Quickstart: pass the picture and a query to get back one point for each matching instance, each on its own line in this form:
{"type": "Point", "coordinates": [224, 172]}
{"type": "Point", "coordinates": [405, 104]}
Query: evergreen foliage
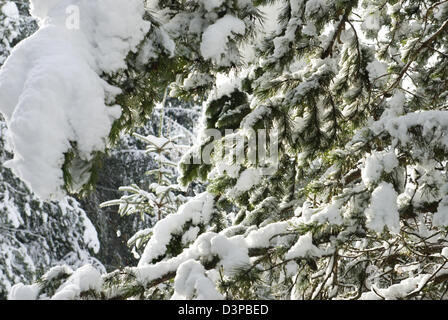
{"type": "Point", "coordinates": [355, 92]}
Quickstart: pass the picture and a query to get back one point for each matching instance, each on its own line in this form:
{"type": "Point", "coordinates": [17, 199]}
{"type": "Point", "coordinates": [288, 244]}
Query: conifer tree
{"type": "Point", "coordinates": [354, 94]}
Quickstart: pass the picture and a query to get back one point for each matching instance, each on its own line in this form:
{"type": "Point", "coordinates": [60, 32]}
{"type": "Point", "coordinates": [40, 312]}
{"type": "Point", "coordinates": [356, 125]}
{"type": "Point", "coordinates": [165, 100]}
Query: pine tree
{"type": "Point", "coordinates": [355, 95]}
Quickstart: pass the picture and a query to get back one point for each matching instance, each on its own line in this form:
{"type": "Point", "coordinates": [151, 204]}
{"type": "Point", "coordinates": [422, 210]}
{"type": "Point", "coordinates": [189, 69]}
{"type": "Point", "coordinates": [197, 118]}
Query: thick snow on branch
{"type": "Point", "coordinates": [198, 211]}
{"type": "Point", "coordinates": [216, 37]}
{"type": "Point", "coordinates": [51, 92]}
{"type": "Point", "coordinates": [192, 282]}
{"type": "Point", "coordinates": [83, 279]}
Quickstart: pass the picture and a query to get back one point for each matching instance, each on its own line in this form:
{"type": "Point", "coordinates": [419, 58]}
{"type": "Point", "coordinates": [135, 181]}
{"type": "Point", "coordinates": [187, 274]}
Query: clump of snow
{"type": "Point", "coordinates": [377, 163]}
{"type": "Point", "coordinates": [190, 235]}
{"type": "Point", "coordinates": [192, 283]}
{"type": "Point", "coordinates": [51, 92]}
{"type": "Point", "coordinates": [216, 37]}
{"type": "Point", "coordinates": [372, 19]}
{"type": "Point", "coordinates": [225, 86]}
{"type": "Point", "coordinates": [247, 179]}
{"type": "Point", "coordinates": [399, 290]}
{"type": "Point", "coordinates": [24, 292]}
{"type": "Point", "coordinates": [383, 210]}
{"type": "Point", "coordinates": [433, 123]}
{"type": "Point", "coordinates": [233, 252]}
{"type": "Point", "coordinates": [10, 10]}
{"type": "Point", "coordinates": [83, 279]}
{"type": "Point", "coordinates": [197, 210]}
{"type": "Point", "coordinates": [304, 247]}
{"type": "Point", "coordinates": [262, 237]}
{"type": "Point", "coordinates": [330, 214]}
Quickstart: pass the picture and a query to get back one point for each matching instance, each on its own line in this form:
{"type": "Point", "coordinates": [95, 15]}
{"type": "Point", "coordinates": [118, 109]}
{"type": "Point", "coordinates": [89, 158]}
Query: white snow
{"type": "Point", "coordinates": [10, 10]}
{"type": "Point", "coordinates": [24, 292]}
{"type": "Point", "coordinates": [83, 279]}
{"type": "Point", "coordinates": [216, 37]}
{"type": "Point", "coordinates": [445, 252]}
{"type": "Point", "coordinates": [330, 214]}
{"type": "Point", "coordinates": [383, 210]}
{"type": "Point", "coordinates": [247, 179]}
{"type": "Point", "coordinates": [375, 164]}
{"type": "Point", "coordinates": [90, 235]}
{"type": "Point", "coordinates": [210, 5]}
{"type": "Point", "coordinates": [197, 210]}
{"type": "Point", "coordinates": [304, 247]}
{"type": "Point", "coordinates": [51, 93]}
{"type": "Point", "coordinates": [261, 238]}
{"type": "Point", "coordinates": [192, 283]}
{"type": "Point", "coordinates": [313, 7]}
{"type": "Point", "coordinates": [399, 290]}
{"type": "Point", "coordinates": [433, 123]}
{"type": "Point", "coordinates": [190, 235]}
{"type": "Point", "coordinates": [233, 252]}
{"type": "Point", "coordinates": [158, 142]}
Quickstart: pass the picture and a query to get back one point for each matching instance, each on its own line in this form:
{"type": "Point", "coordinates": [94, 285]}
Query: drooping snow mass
{"type": "Point", "coordinates": [383, 210]}
{"type": "Point", "coordinates": [377, 163]}
{"type": "Point", "coordinates": [233, 252]}
{"type": "Point", "coordinates": [191, 282]}
{"type": "Point", "coordinates": [216, 37]}
{"type": "Point", "coordinates": [51, 92]}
